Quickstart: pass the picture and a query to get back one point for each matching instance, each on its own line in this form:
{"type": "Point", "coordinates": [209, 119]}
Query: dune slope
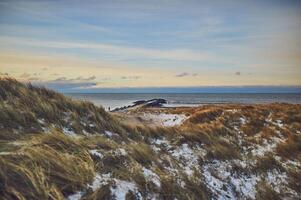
{"type": "Point", "coordinates": [52, 147]}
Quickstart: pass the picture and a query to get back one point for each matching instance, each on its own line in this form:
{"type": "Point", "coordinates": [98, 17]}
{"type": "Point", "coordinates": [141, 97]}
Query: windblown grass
{"type": "Point", "coordinates": [48, 167]}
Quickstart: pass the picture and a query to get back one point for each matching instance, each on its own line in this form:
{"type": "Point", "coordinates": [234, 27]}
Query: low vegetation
{"type": "Point", "coordinates": [53, 147]}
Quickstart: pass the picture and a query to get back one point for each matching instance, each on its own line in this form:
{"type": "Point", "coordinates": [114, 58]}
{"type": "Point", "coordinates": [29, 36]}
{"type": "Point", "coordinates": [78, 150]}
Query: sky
{"type": "Point", "coordinates": [94, 45]}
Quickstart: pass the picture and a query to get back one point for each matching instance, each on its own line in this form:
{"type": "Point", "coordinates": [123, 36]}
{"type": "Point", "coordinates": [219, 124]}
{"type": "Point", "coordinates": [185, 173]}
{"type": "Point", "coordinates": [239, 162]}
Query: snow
{"type": "Point", "coordinates": [86, 133]}
{"type": "Point", "coordinates": [187, 156]}
{"type": "Point", "coordinates": [162, 143]}
{"type": "Point", "coordinates": [94, 152]}
{"type": "Point", "coordinates": [76, 196]}
{"type": "Point", "coordinates": [109, 133]}
{"type": "Point", "coordinates": [92, 125]}
{"type": "Point", "coordinates": [155, 149]}
{"type": "Point", "coordinates": [4, 153]}
{"type": "Point", "coordinates": [225, 184]}
{"type": "Point", "coordinates": [120, 152]}
{"type": "Point", "coordinates": [288, 163]}
{"type": "Point", "coordinates": [259, 150]}
{"type": "Point", "coordinates": [279, 123]}
{"type": "Point", "coordinates": [69, 132]}
{"type": "Point", "coordinates": [18, 143]}
{"type": "Point", "coordinates": [243, 120]}
{"type": "Point", "coordinates": [41, 121]}
{"type": "Point", "coordinates": [276, 179]}
{"type": "Point", "coordinates": [157, 144]}
{"type": "Point", "coordinates": [100, 180]}
{"type": "Point", "coordinates": [121, 188]}
{"type": "Point", "coordinates": [151, 176]}
{"type": "Point", "coordinates": [164, 119]}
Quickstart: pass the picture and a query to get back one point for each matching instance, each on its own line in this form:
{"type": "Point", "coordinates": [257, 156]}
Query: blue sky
{"type": "Point", "coordinates": [90, 45]}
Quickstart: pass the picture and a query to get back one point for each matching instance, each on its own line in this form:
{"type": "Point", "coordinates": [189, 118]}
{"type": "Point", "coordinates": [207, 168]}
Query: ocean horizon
{"type": "Point", "coordinates": [115, 100]}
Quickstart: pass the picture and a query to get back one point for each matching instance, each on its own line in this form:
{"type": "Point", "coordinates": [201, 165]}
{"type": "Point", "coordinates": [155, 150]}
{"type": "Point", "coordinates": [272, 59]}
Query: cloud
{"type": "Point", "coordinates": [61, 79]}
{"type": "Point", "coordinates": [4, 74]}
{"type": "Point", "coordinates": [80, 78]}
{"type": "Point", "coordinates": [130, 77]}
{"type": "Point", "coordinates": [186, 74]}
{"type": "Point", "coordinates": [25, 75]}
{"type": "Point", "coordinates": [33, 79]}
{"type": "Point", "coordinates": [125, 52]}
{"type": "Point", "coordinates": [63, 83]}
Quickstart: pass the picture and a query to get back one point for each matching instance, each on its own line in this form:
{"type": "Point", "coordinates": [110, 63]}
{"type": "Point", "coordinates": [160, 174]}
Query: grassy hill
{"type": "Point", "coordinates": [52, 147]}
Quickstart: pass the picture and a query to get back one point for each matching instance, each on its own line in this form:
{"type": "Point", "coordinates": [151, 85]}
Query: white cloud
{"type": "Point", "coordinates": [123, 51]}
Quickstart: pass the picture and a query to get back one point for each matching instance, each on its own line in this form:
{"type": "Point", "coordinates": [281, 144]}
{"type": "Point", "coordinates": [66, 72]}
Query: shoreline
{"type": "Point", "coordinates": [186, 100]}
{"type": "Point", "coordinates": [191, 105]}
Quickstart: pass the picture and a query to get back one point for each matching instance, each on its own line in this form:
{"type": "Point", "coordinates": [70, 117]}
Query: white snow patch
{"type": "Point", "coordinates": [155, 149]}
{"type": "Point", "coordinates": [162, 143]}
{"type": "Point", "coordinates": [260, 150]}
{"type": "Point", "coordinates": [276, 179]}
{"type": "Point", "coordinates": [18, 143]}
{"type": "Point", "coordinates": [94, 152]}
{"type": "Point", "coordinates": [243, 120]}
{"type": "Point", "coordinates": [279, 123]}
{"type": "Point", "coordinates": [151, 176]}
{"type": "Point", "coordinates": [86, 133]}
{"type": "Point", "coordinates": [121, 188]}
{"type": "Point", "coordinates": [76, 196]}
{"type": "Point", "coordinates": [120, 152]}
{"type": "Point", "coordinates": [187, 157]}
{"type": "Point", "coordinates": [225, 184]}
{"type": "Point", "coordinates": [109, 133]}
{"type": "Point", "coordinates": [288, 163]}
{"type": "Point", "coordinates": [41, 121]}
{"type": "Point", "coordinates": [4, 153]}
{"type": "Point", "coordinates": [69, 132]}
{"type": "Point", "coordinates": [92, 125]}
{"type": "Point", "coordinates": [100, 180]}
{"type": "Point", "coordinates": [164, 119]}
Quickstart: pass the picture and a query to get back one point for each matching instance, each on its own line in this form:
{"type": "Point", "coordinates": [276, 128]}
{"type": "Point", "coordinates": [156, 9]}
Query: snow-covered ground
{"type": "Point", "coordinates": [94, 152]}
{"type": "Point", "coordinates": [165, 119]}
{"type": "Point", "coordinates": [119, 188]}
{"type": "Point", "coordinates": [151, 176]}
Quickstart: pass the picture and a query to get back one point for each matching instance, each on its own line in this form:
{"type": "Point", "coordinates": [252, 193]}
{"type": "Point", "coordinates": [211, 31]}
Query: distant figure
{"type": "Point", "coordinates": [109, 109]}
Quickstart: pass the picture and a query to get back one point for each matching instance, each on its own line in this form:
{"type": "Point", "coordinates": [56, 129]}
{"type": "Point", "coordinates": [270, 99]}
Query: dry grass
{"type": "Point", "coordinates": [266, 163]}
{"type": "Point", "coordinates": [142, 153]}
{"type": "Point", "coordinates": [291, 148]}
{"type": "Point", "coordinates": [36, 103]}
{"type": "Point", "coordinates": [266, 192]}
{"type": "Point", "coordinates": [35, 165]}
{"type": "Point", "coordinates": [48, 167]}
{"type": "Point", "coordinates": [222, 150]}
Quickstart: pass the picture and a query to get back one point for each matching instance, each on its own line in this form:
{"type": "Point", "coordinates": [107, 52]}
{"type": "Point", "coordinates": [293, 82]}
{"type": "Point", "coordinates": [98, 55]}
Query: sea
{"type": "Point", "coordinates": [114, 100]}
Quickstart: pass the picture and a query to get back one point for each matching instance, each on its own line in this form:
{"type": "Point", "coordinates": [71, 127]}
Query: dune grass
{"type": "Point", "coordinates": [39, 160]}
{"type": "Point", "coordinates": [49, 166]}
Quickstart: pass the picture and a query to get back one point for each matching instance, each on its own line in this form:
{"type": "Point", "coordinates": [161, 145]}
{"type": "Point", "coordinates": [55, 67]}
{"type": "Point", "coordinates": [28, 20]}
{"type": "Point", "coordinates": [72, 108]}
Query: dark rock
{"type": "Point", "coordinates": [144, 103]}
